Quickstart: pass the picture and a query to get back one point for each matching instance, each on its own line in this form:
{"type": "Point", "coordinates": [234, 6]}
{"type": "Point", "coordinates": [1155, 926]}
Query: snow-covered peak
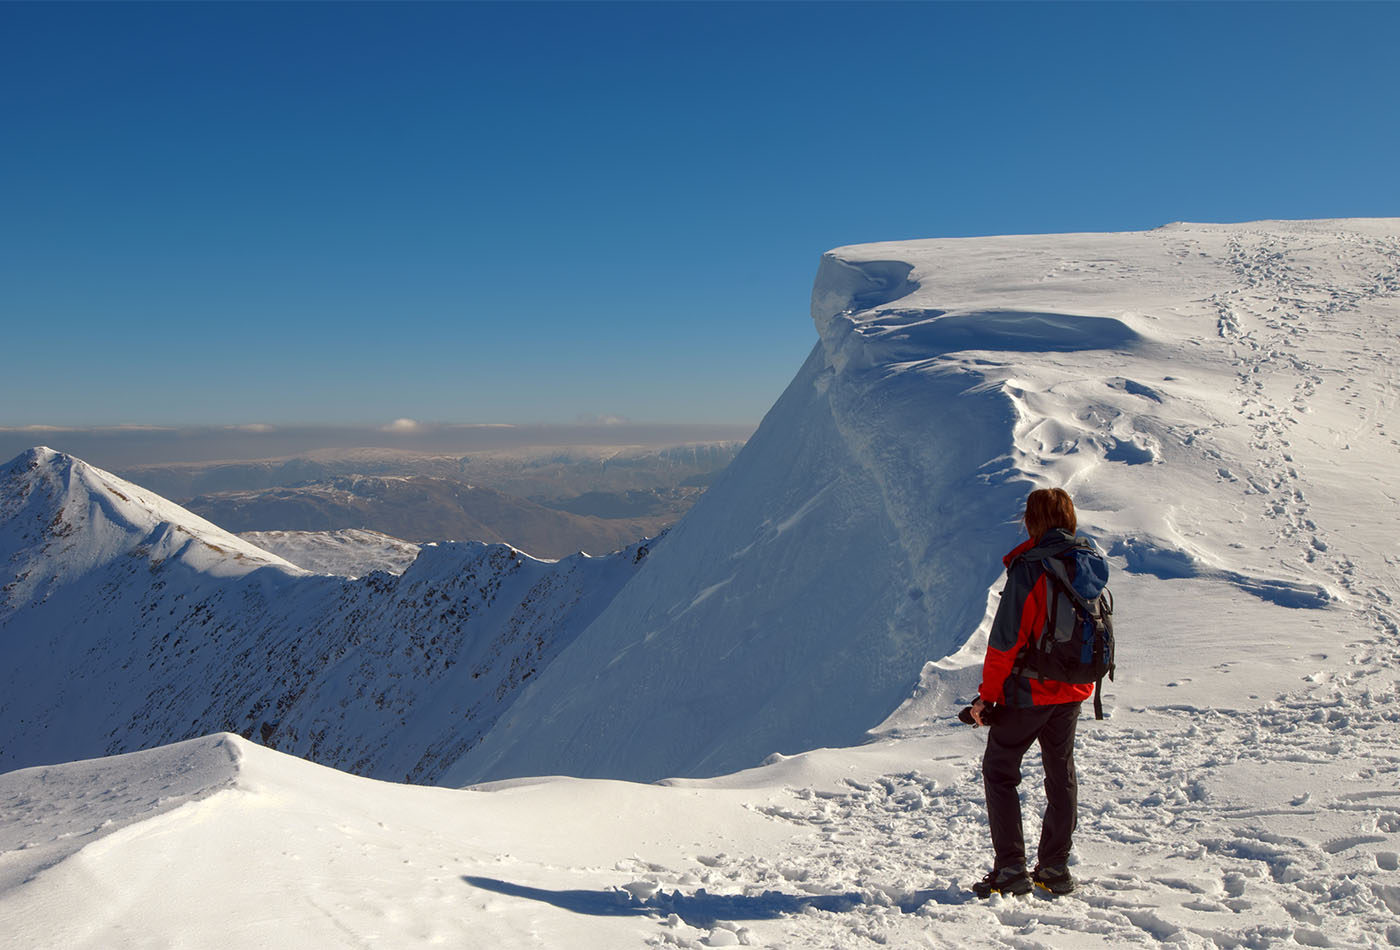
{"type": "Point", "coordinates": [79, 516]}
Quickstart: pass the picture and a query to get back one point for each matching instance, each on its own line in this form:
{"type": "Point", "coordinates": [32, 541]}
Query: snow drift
{"type": "Point", "coordinates": [858, 533]}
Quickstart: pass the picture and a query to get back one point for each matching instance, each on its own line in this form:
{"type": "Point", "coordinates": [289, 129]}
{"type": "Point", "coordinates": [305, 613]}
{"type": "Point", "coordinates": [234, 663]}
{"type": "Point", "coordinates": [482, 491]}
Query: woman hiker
{"type": "Point", "coordinates": [1021, 709]}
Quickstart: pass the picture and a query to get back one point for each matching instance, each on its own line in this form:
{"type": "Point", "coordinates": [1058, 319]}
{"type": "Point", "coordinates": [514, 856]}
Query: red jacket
{"type": "Point", "coordinates": [1021, 616]}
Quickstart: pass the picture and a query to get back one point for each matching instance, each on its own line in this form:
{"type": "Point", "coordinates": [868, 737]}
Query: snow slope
{"type": "Point", "coordinates": [350, 552]}
{"type": "Point", "coordinates": [1185, 384]}
{"type": "Point", "coordinates": [1208, 830]}
{"type": "Point", "coordinates": [1230, 444]}
{"type": "Point", "coordinates": [66, 518]}
{"type": "Point", "coordinates": [130, 622]}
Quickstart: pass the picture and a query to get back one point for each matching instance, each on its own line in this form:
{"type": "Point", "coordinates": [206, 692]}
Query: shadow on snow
{"type": "Point", "coordinates": [698, 909]}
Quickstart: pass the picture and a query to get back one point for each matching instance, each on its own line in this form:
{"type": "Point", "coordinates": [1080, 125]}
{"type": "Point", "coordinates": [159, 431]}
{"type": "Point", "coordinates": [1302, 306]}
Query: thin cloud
{"type": "Point", "coordinates": [134, 446]}
{"type": "Point", "coordinates": [595, 419]}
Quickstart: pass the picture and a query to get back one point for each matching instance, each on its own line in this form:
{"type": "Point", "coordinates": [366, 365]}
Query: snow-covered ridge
{"type": "Point", "coordinates": [1208, 393]}
{"type": "Point", "coordinates": [1172, 298]}
{"type": "Point", "coordinates": [129, 622]}
{"type": "Point", "coordinates": [1162, 377]}
{"type": "Point", "coordinates": [1236, 455]}
{"type": "Point", "coordinates": [136, 787]}
{"type": "Point", "coordinates": [349, 552]}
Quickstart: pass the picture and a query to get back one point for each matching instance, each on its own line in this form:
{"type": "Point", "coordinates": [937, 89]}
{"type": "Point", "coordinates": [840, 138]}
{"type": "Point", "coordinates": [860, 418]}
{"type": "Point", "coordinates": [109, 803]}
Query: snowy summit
{"type": "Point", "coordinates": [1219, 400]}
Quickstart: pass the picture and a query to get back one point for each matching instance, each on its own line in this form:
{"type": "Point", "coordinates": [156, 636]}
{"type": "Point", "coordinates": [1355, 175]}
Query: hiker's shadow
{"type": "Point", "coordinates": [698, 910]}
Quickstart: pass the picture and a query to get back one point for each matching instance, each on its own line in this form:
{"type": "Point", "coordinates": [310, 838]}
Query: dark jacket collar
{"type": "Point", "coordinates": [1052, 543]}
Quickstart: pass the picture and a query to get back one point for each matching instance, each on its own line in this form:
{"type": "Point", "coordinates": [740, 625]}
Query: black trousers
{"type": "Point", "coordinates": [1007, 742]}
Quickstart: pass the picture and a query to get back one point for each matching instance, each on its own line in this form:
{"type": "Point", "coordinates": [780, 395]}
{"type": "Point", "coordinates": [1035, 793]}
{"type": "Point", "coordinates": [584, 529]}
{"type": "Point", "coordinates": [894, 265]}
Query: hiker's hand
{"type": "Point", "coordinates": [978, 706]}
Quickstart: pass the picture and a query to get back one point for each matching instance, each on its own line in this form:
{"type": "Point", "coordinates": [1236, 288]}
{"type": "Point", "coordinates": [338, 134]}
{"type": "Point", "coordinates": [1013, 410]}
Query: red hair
{"type": "Point", "coordinates": [1047, 509]}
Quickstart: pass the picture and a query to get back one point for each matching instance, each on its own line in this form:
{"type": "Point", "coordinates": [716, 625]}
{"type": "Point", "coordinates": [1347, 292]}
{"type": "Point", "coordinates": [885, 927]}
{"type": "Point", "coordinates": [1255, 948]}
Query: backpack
{"type": "Point", "coordinates": [1076, 645]}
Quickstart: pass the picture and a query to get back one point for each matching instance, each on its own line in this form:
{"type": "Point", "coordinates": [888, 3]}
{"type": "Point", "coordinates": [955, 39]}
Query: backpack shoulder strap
{"type": "Point", "coordinates": [1025, 663]}
{"type": "Point", "coordinates": [1055, 570]}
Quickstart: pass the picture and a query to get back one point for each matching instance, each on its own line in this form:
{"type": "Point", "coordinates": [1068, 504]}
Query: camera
{"type": "Point", "coordinates": [989, 715]}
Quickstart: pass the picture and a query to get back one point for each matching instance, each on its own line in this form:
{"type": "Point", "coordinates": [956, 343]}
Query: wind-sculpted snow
{"type": "Point", "coordinates": [919, 334]}
{"type": "Point", "coordinates": [86, 801]}
{"type": "Point", "coordinates": [859, 532]}
{"type": "Point", "coordinates": [130, 622]}
{"type": "Point", "coordinates": [787, 611]}
{"type": "Point", "coordinates": [350, 552]}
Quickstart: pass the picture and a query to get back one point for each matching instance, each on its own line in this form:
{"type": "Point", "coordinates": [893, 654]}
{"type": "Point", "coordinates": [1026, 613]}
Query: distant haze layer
{"type": "Point", "coordinates": [126, 446]}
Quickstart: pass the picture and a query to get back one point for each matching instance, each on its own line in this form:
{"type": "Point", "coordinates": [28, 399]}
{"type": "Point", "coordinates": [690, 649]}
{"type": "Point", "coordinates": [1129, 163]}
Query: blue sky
{"type": "Point", "coordinates": [352, 213]}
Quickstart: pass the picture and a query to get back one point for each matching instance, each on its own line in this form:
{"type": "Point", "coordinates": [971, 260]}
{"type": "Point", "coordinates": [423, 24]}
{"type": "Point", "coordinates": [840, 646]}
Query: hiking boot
{"type": "Point", "coordinates": [1003, 881]}
{"type": "Point", "coordinates": [1056, 879]}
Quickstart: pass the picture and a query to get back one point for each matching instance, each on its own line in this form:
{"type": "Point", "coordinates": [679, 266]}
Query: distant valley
{"type": "Point", "coordinates": [550, 502]}
{"type": "Point", "coordinates": [420, 508]}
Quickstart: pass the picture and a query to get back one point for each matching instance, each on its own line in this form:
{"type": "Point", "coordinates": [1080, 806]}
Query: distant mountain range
{"type": "Point", "coordinates": [423, 508]}
{"type": "Point", "coordinates": [545, 474]}
{"type": "Point", "coordinates": [548, 501]}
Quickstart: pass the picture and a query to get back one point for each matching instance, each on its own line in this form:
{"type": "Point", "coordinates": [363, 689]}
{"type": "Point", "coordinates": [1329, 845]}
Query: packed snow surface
{"type": "Point", "coordinates": [1220, 401]}
{"type": "Point", "coordinates": [349, 552]}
